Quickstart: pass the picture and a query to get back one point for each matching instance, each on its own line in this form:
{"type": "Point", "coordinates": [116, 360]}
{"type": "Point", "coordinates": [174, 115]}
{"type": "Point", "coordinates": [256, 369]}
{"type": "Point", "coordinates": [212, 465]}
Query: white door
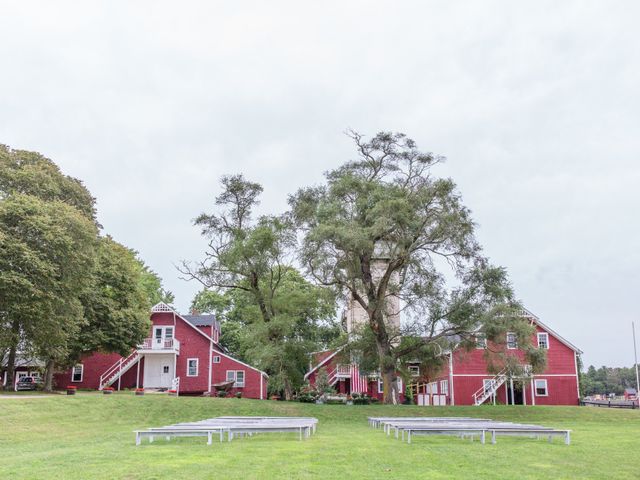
{"type": "Point", "coordinates": [162, 337]}
{"type": "Point", "coordinates": [158, 370]}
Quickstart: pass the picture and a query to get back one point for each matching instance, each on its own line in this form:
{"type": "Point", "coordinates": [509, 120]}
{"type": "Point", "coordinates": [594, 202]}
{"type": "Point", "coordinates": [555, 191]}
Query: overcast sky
{"type": "Point", "coordinates": [535, 105]}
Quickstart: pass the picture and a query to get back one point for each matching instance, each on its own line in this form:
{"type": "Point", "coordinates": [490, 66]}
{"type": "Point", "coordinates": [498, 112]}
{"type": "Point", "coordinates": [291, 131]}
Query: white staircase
{"type": "Point", "coordinates": [115, 371]}
{"type": "Point", "coordinates": [489, 388]}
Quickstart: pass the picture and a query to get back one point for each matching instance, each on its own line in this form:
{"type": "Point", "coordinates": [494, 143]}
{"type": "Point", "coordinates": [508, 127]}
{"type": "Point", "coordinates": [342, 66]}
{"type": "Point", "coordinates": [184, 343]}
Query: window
{"type": "Point", "coordinates": [543, 340]}
{"type": "Point", "coordinates": [76, 373]}
{"type": "Point", "coordinates": [541, 388]}
{"type": "Point", "coordinates": [414, 370]}
{"type": "Point", "coordinates": [444, 387]}
{"type": "Point", "coordinates": [512, 341]}
{"type": "Point", "coordinates": [380, 386]}
{"type": "Point", "coordinates": [237, 376]}
{"type": "Point", "coordinates": [481, 341]}
{"type": "Point", "coordinates": [165, 369]}
{"type": "Point", "coordinates": [192, 367]}
{"type": "Point", "coordinates": [488, 384]}
{"type": "Point", "coordinates": [216, 359]}
{"type": "Point", "coordinates": [168, 333]}
{"type": "Point", "coordinates": [34, 374]}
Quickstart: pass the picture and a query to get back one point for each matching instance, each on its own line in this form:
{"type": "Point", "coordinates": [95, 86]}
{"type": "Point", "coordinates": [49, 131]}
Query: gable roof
{"type": "Point", "coordinates": [324, 360]}
{"type": "Point", "coordinates": [164, 308]}
{"type": "Point", "coordinates": [534, 318]}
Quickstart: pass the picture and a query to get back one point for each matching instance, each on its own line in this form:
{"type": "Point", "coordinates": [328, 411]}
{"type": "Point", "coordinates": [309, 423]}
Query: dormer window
{"type": "Point", "coordinates": [512, 341]}
{"type": "Point", "coordinates": [481, 341]}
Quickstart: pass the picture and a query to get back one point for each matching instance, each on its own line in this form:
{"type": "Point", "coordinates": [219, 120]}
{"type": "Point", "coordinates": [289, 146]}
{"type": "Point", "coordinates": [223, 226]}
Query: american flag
{"type": "Point", "coordinates": [358, 382]}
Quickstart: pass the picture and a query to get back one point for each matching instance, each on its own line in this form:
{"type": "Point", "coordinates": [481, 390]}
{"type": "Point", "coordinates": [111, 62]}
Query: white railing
{"type": "Point", "coordinates": [160, 344]}
{"type": "Point", "coordinates": [116, 370]}
{"type": "Point", "coordinates": [343, 370]}
{"type": "Point", "coordinates": [489, 388]}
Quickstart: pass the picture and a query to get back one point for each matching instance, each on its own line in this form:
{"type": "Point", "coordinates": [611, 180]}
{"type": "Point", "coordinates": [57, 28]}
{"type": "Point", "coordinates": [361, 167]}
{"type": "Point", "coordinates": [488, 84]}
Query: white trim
{"type": "Point", "coordinates": [210, 365]}
{"type": "Point", "coordinates": [546, 387]}
{"type": "Point", "coordinates": [533, 394]}
{"type": "Point", "coordinates": [575, 358]}
{"type": "Point", "coordinates": [261, 388]}
{"type": "Point", "coordinates": [176, 314]}
{"type": "Point", "coordinates": [515, 341]}
{"type": "Point", "coordinates": [189, 366]}
{"type": "Point", "coordinates": [544, 334]}
{"type": "Point", "coordinates": [323, 362]}
{"type": "Point", "coordinates": [537, 321]}
{"type": "Point", "coordinates": [73, 370]}
{"type": "Point", "coordinates": [234, 377]}
{"type": "Point", "coordinates": [415, 373]}
{"type": "Point", "coordinates": [451, 375]}
{"type": "Point", "coordinates": [242, 363]}
{"type": "Point", "coordinates": [380, 386]}
{"type": "Point", "coordinates": [214, 358]}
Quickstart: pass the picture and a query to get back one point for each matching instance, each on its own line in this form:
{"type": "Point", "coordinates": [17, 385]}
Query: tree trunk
{"type": "Point", "coordinates": [288, 392]}
{"type": "Point", "coordinates": [13, 350]}
{"type": "Point", "coordinates": [386, 361]}
{"type": "Point", "coordinates": [48, 375]}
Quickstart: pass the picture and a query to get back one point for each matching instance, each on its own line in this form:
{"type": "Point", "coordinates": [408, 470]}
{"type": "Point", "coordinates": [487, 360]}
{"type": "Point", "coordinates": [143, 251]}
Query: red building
{"type": "Point", "coordinates": [465, 378]}
{"type": "Point", "coordinates": [181, 353]}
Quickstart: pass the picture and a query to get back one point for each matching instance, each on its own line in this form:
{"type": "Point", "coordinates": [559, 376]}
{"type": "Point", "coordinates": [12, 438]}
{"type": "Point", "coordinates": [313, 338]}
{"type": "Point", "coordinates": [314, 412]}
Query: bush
{"type": "Point", "coordinates": [222, 394]}
{"type": "Point", "coordinates": [361, 399]}
{"type": "Point", "coordinates": [238, 394]}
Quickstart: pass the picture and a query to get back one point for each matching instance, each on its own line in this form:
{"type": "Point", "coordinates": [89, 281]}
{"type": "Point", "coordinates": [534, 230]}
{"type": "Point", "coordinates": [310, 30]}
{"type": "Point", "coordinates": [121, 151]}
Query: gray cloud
{"type": "Point", "coordinates": [534, 105]}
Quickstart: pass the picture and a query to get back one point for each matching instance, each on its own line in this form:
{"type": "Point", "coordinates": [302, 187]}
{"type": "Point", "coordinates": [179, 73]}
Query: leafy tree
{"type": "Point", "coordinates": [248, 263]}
{"type": "Point", "coordinates": [45, 258]}
{"type": "Point", "coordinates": [151, 283]}
{"type": "Point", "coordinates": [116, 306]}
{"type": "Point", "coordinates": [385, 232]}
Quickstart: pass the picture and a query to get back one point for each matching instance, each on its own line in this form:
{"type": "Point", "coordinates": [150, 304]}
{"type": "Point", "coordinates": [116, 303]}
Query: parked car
{"type": "Point", "coordinates": [28, 383]}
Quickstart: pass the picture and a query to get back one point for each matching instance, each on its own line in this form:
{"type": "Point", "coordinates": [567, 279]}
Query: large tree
{"type": "Point", "coordinates": [389, 234]}
{"type": "Point", "coordinates": [64, 289]}
{"type": "Point", "coordinates": [251, 257]}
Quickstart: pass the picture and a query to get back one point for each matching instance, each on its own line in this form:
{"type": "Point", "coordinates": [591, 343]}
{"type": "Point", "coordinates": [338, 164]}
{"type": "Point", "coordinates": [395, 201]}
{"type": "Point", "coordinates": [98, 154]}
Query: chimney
{"type": "Point", "coordinates": [194, 312]}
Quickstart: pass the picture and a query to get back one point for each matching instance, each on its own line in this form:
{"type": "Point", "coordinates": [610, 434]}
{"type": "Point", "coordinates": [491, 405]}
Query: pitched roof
{"type": "Point", "coordinates": [202, 320]}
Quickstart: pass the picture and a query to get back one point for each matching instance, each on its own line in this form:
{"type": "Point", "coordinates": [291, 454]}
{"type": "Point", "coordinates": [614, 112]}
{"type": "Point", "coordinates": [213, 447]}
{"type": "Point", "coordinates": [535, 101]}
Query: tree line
{"type": "Point", "coordinates": [66, 288]}
{"type": "Point", "coordinates": [606, 380]}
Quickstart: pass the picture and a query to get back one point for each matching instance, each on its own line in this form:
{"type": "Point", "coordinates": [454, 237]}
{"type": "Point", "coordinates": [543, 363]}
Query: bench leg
{"type": "Point", "coordinates": [150, 438]}
{"type": "Point", "coordinates": [493, 437]}
{"type": "Point", "coordinates": [209, 442]}
{"type": "Point", "coordinates": [567, 438]}
{"type": "Point", "coordinates": [221, 435]}
{"type": "Point", "coordinates": [137, 439]}
{"type": "Point", "coordinates": [408, 436]}
{"type": "Point", "coordinates": [482, 437]}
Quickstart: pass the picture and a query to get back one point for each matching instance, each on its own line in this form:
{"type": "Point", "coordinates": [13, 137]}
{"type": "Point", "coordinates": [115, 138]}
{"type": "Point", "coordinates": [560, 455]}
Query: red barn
{"type": "Point", "coordinates": [181, 353]}
{"type": "Point", "coordinates": [465, 379]}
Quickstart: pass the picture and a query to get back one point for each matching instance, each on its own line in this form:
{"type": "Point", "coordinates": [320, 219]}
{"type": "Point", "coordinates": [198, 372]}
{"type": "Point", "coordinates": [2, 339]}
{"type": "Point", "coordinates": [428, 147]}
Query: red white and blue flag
{"type": "Point", "coordinates": [358, 382]}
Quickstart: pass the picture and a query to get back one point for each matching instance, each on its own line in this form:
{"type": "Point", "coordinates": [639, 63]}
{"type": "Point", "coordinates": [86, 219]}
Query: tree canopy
{"type": "Point", "coordinates": [384, 231]}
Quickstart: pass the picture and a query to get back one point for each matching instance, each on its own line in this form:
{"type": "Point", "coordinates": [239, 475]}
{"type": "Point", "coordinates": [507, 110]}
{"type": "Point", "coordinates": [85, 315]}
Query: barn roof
{"type": "Point", "coordinates": [202, 320]}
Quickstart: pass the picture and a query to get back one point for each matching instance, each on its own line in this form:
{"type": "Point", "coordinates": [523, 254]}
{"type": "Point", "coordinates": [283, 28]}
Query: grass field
{"type": "Point", "coordinates": [89, 436]}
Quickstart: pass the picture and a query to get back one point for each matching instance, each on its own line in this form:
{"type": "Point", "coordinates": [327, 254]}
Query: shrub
{"type": "Point", "coordinates": [222, 394]}
{"type": "Point", "coordinates": [238, 394]}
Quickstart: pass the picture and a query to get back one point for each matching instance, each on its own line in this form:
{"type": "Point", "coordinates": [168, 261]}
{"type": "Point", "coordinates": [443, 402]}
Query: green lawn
{"type": "Point", "coordinates": [90, 436]}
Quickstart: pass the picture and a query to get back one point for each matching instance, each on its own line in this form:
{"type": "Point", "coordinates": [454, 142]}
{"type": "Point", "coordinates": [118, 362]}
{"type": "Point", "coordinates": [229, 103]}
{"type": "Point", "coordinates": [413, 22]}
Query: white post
{"type": "Point", "coordinates": [524, 392]}
{"type": "Point", "coordinates": [513, 399]}
{"type": "Point", "coordinates": [533, 393]}
{"type": "Point", "coordinates": [635, 356]}
{"type": "Point", "coordinates": [138, 374]}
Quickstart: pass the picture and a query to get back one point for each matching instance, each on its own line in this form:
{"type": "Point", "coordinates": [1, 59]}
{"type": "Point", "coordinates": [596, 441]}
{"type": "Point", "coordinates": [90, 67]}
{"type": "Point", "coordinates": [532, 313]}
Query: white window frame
{"type": "Point", "coordinates": [414, 370]}
{"type": "Point", "coordinates": [380, 386]}
{"type": "Point", "coordinates": [481, 342]}
{"type": "Point", "coordinates": [485, 382]}
{"type": "Point", "coordinates": [234, 377]}
{"type": "Point", "coordinates": [545, 335]}
{"type": "Point", "coordinates": [216, 359]}
{"type": "Point", "coordinates": [189, 360]}
{"type": "Point", "coordinates": [237, 384]}
{"type": "Point", "coordinates": [444, 387]}
{"type": "Point", "coordinates": [73, 373]}
{"type": "Point", "coordinates": [546, 387]}
{"type": "Point", "coordinates": [515, 341]}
